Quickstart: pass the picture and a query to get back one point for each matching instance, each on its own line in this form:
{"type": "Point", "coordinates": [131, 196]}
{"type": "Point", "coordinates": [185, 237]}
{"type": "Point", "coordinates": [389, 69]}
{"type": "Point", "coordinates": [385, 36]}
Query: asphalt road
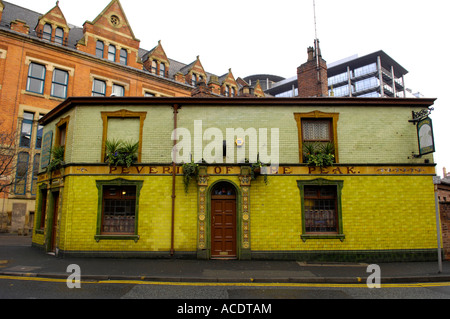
{"type": "Point", "coordinates": [42, 288]}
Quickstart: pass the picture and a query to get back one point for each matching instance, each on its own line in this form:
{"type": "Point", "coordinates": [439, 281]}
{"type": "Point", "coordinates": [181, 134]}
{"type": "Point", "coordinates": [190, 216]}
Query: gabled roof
{"type": "Point", "coordinates": [108, 8]}
{"type": "Point", "coordinates": [13, 12]}
{"type": "Point", "coordinates": [56, 9]}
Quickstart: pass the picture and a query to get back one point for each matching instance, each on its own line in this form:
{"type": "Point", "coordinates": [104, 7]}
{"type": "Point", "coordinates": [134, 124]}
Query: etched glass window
{"type": "Point", "coordinates": [119, 210]}
{"type": "Point", "coordinates": [316, 130]}
{"type": "Point", "coordinates": [320, 209]}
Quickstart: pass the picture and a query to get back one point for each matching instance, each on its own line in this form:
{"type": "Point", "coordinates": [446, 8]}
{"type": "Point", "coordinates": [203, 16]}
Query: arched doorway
{"type": "Point", "coordinates": [223, 221]}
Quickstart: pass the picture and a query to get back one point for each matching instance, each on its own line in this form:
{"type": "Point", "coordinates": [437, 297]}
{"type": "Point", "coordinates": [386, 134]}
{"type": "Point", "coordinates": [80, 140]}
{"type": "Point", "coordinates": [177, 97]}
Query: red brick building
{"type": "Point", "coordinates": [44, 60]}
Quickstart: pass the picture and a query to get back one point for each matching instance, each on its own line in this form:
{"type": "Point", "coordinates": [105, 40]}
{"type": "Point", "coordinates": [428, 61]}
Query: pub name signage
{"type": "Point", "coordinates": [236, 170]}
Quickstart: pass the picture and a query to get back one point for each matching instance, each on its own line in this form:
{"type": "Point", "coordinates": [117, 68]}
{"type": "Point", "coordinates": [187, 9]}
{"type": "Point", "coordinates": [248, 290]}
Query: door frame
{"type": "Point", "coordinates": [234, 228]}
{"type": "Point", "coordinates": [52, 219]}
{"type": "Point", "coordinates": [238, 217]}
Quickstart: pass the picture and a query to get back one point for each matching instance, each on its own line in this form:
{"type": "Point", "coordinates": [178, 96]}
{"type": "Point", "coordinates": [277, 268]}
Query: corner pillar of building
{"type": "Point", "coordinates": [202, 244]}
{"type": "Point", "coordinates": [245, 179]}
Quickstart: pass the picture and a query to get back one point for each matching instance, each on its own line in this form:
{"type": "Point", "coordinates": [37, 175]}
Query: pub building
{"type": "Point", "coordinates": [320, 178]}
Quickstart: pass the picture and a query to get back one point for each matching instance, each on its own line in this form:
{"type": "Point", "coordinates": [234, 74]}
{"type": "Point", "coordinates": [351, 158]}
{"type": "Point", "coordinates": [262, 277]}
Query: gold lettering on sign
{"type": "Point", "coordinates": [271, 171]}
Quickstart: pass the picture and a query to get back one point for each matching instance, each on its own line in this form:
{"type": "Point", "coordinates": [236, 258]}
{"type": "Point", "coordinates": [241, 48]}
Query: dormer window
{"type": "Point", "coordinates": [194, 79]}
{"type": "Point", "coordinates": [154, 67]}
{"type": "Point", "coordinates": [59, 35]}
{"type": "Point", "coordinates": [47, 32]}
{"type": "Point", "coordinates": [162, 69]}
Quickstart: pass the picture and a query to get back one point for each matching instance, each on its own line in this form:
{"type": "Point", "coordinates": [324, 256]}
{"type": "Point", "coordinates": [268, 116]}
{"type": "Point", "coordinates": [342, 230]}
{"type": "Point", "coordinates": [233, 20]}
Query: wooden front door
{"type": "Point", "coordinates": [55, 220]}
{"type": "Point", "coordinates": [223, 226]}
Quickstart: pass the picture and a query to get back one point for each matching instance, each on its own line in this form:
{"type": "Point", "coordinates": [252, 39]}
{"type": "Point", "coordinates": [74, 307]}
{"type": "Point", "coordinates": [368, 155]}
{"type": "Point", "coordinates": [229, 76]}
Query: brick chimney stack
{"type": "Point", "coordinates": [312, 76]}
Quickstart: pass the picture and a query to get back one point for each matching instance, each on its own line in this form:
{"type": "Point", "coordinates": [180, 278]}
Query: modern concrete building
{"type": "Point", "coordinates": [372, 75]}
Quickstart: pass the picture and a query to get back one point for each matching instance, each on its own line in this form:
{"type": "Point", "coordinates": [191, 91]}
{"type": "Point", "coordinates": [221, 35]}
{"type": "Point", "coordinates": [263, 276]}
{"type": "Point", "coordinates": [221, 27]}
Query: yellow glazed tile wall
{"type": "Point", "coordinates": [378, 213]}
{"type": "Point", "coordinates": [155, 206]}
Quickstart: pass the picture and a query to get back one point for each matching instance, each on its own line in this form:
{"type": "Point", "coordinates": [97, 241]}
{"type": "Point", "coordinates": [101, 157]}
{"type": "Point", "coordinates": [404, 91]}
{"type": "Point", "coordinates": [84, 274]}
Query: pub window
{"type": "Point", "coordinates": [59, 35]}
{"type": "Point", "coordinates": [317, 131]}
{"type": "Point", "coordinates": [123, 56]}
{"type": "Point", "coordinates": [119, 210]}
{"type": "Point", "coordinates": [59, 83]}
{"type": "Point", "coordinates": [112, 53]}
{"type": "Point", "coordinates": [99, 49]}
{"type": "Point", "coordinates": [42, 209]}
{"type": "Point", "coordinates": [47, 33]}
{"type": "Point", "coordinates": [36, 78]}
{"type": "Point", "coordinates": [321, 208]}
{"type": "Point", "coordinates": [61, 133]}
{"type": "Point", "coordinates": [98, 88]}
{"type": "Point", "coordinates": [21, 173]}
{"type": "Point", "coordinates": [25, 132]}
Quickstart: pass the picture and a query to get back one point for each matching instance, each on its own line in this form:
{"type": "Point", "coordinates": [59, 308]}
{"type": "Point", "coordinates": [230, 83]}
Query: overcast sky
{"type": "Point", "coordinates": [271, 37]}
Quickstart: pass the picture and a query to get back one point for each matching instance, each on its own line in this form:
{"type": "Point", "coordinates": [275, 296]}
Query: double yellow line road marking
{"type": "Point", "coordinates": [28, 277]}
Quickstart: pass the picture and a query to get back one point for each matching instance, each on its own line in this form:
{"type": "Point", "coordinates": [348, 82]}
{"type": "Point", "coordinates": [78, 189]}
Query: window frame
{"type": "Point", "coordinates": [31, 78]}
{"type": "Point", "coordinates": [41, 209]}
{"type": "Point", "coordinates": [59, 39]}
{"type": "Point", "coordinates": [35, 172]}
{"type": "Point", "coordinates": [154, 67]}
{"type": "Point", "coordinates": [112, 51]}
{"type": "Point", "coordinates": [162, 69]}
{"type": "Point", "coordinates": [120, 87]}
{"type": "Point", "coordinates": [119, 183]}
{"type": "Point", "coordinates": [60, 84]}
{"type": "Point", "coordinates": [98, 49]}
{"type": "Point", "coordinates": [45, 33]}
{"type": "Point", "coordinates": [98, 93]}
{"type": "Point", "coordinates": [24, 178]}
{"type": "Point", "coordinates": [39, 134]}
{"type": "Point", "coordinates": [122, 114]}
{"type": "Point", "coordinates": [339, 184]}
{"type": "Point", "coordinates": [123, 56]}
{"type": "Point", "coordinates": [62, 128]}
{"type": "Point", "coordinates": [27, 122]}
{"type": "Point", "coordinates": [333, 117]}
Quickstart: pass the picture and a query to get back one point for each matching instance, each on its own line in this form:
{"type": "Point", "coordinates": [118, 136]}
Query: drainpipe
{"type": "Point", "coordinates": [174, 174]}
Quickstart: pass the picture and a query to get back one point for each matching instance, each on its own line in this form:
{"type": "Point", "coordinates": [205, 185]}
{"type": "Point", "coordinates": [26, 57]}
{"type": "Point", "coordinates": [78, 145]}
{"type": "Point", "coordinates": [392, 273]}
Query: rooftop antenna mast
{"type": "Point", "coordinates": [316, 43]}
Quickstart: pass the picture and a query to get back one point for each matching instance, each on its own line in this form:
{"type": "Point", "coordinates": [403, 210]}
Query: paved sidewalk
{"type": "Point", "coordinates": [18, 258]}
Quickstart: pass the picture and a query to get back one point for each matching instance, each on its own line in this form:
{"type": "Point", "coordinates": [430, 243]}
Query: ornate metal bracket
{"type": "Point", "coordinates": [417, 116]}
